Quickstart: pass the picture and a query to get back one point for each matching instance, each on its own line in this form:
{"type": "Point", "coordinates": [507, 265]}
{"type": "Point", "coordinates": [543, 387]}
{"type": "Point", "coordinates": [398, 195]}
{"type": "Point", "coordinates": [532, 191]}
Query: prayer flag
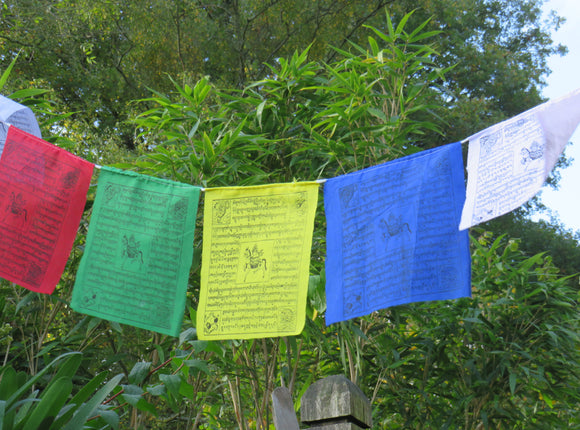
{"type": "Point", "coordinates": [139, 251]}
{"type": "Point", "coordinates": [20, 116]}
{"type": "Point", "coordinates": [392, 235]}
{"type": "Point", "coordinates": [256, 260]}
{"type": "Point", "coordinates": [43, 192]}
{"type": "Point", "coordinates": [508, 162]}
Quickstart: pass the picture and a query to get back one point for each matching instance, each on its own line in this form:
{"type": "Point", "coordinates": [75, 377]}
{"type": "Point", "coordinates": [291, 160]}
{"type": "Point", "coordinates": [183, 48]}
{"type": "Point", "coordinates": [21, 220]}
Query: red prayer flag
{"type": "Point", "coordinates": [43, 191]}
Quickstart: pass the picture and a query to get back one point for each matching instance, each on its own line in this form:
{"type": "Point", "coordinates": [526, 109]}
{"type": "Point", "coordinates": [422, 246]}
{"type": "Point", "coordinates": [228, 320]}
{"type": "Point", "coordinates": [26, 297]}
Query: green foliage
{"type": "Point", "coordinates": [541, 236]}
{"type": "Point", "coordinates": [508, 358]}
{"type": "Point", "coordinates": [99, 55]}
{"type": "Point", "coordinates": [40, 402]}
{"type": "Point", "coordinates": [307, 120]}
{"type": "Point", "coordinates": [498, 50]}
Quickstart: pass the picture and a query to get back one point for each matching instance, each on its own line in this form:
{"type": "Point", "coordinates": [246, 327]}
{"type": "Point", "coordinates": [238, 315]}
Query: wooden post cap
{"type": "Point", "coordinates": [335, 399]}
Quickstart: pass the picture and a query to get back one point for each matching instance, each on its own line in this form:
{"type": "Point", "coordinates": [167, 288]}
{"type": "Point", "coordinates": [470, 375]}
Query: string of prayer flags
{"type": "Point", "coordinates": [139, 251]}
{"type": "Point", "coordinates": [42, 196]}
{"type": "Point", "coordinates": [256, 260]}
{"type": "Point", "coordinates": [20, 116]}
{"type": "Point", "coordinates": [508, 163]}
{"type": "Point", "coordinates": [392, 234]}
{"type": "Point", "coordinates": [396, 233]}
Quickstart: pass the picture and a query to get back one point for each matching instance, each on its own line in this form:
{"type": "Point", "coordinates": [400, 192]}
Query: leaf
{"type": "Point", "coordinates": [402, 23]}
{"type": "Point", "coordinates": [78, 399]}
{"type": "Point", "coordinates": [198, 365]}
{"type": "Point", "coordinates": [208, 147]}
{"type": "Point", "coordinates": [186, 390]}
{"type": "Point", "coordinates": [93, 322]}
{"type": "Point", "coordinates": [87, 409]}
{"type": "Point", "coordinates": [35, 378]}
{"type": "Point", "coordinates": [377, 113]}
{"type": "Point", "coordinates": [259, 111]}
{"type": "Point", "coordinates": [548, 400]}
{"type": "Point", "coordinates": [110, 417]}
{"type": "Point", "coordinates": [7, 72]}
{"type": "Point", "coordinates": [172, 382]}
{"type": "Point", "coordinates": [52, 400]}
{"type": "Point", "coordinates": [194, 129]}
{"type": "Point", "coordinates": [398, 364]}
{"type": "Point", "coordinates": [139, 372]}
{"type": "Point", "coordinates": [473, 320]}
{"type": "Point", "coordinates": [196, 259]}
{"type": "Point", "coordinates": [313, 282]}
{"type": "Point", "coordinates": [23, 407]}
{"type": "Point", "coordinates": [116, 327]}
{"type": "Point", "coordinates": [416, 31]}
{"type": "Point", "coordinates": [187, 335]}
{"type": "Point", "coordinates": [28, 92]}
{"type": "Point", "coordinates": [513, 380]}
{"type": "Point", "coordinates": [28, 298]}
{"type": "Point", "coordinates": [8, 383]}
{"type": "Point", "coordinates": [132, 399]}
{"type": "Point", "coordinates": [425, 35]}
{"type": "Point", "coordinates": [145, 406]}
{"type": "Point", "coordinates": [374, 46]}
{"type": "Point", "coordinates": [2, 413]}
{"type": "Point", "coordinates": [198, 345]}
{"type": "Point", "coordinates": [160, 352]}
{"type": "Point", "coordinates": [69, 368]}
{"type": "Point", "coordinates": [132, 394]}
{"type": "Point", "coordinates": [156, 390]}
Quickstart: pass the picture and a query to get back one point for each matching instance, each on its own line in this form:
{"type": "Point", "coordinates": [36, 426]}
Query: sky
{"type": "Point", "coordinates": [565, 78]}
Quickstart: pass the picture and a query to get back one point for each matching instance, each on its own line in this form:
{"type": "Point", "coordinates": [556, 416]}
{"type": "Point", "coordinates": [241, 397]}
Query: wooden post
{"type": "Point", "coordinates": [335, 403]}
{"type": "Point", "coordinates": [284, 415]}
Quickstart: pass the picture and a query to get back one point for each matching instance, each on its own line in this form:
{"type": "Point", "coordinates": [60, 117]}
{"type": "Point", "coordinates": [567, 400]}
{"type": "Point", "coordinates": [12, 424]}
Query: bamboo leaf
{"type": "Point", "coordinates": [87, 409]}
{"type": "Point", "coordinates": [402, 23]}
{"type": "Point", "coordinates": [513, 380]}
{"type": "Point", "coordinates": [52, 400]}
{"type": "Point", "coordinates": [35, 378]}
{"type": "Point", "coordinates": [6, 74]}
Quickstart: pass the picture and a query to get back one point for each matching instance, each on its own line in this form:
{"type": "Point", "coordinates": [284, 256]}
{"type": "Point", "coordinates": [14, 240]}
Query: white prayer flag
{"type": "Point", "coordinates": [508, 162]}
{"type": "Point", "coordinates": [20, 116]}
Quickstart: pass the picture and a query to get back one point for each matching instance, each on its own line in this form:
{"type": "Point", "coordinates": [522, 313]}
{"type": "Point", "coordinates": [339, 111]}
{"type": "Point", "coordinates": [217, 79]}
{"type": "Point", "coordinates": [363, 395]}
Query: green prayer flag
{"type": "Point", "coordinates": [139, 251]}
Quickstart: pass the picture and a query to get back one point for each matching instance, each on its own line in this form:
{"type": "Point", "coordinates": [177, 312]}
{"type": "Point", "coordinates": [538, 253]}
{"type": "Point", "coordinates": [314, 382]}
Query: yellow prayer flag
{"type": "Point", "coordinates": [255, 260]}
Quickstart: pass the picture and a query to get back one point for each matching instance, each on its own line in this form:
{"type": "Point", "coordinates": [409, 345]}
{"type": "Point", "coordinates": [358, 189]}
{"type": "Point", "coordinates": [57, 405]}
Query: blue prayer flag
{"type": "Point", "coordinates": [392, 234]}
